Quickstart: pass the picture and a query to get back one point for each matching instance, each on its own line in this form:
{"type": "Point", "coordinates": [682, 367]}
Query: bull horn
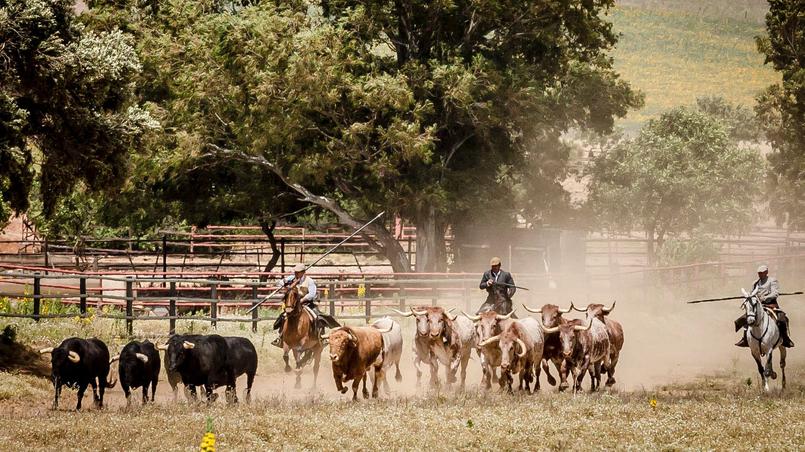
{"type": "Point", "coordinates": [474, 318]}
{"type": "Point", "coordinates": [492, 339]}
{"type": "Point", "coordinates": [609, 309]}
{"type": "Point", "coordinates": [535, 311]}
{"type": "Point", "coordinates": [584, 328]}
{"type": "Point", "coordinates": [73, 356]}
{"type": "Point", "coordinates": [505, 317]}
{"type": "Point", "coordinates": [142, 357]}
{"type": "Point", "coordinates": [418, 312]}
{"type": "Point", "coordinates": [450, 310]}
{"type": "Point", "coordinates": [565, 311]}
{"type": "Point", "coordinates": [548, 330]}
{"type": "Point", "coordinates": [114, 358]}
{"type": "Point", "coordinates": [162, 347]}
{"type": "Point", "coordinates": [188, 345]}
{"type": "Point", "coordinates": [572, 306]}
{"type": "Point", "coordinates": [325, 336]}
{"type": "Point", "coordinates": [522, 346]}
{"type": "Point", "coordinates": [403, 314]}
{"type": "Point", "coordinates": [46, 350]}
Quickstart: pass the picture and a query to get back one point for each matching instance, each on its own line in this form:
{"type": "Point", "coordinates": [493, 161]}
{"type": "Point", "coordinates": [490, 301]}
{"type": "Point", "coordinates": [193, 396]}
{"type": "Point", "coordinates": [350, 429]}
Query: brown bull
{"type": "Point", "coordinates": [353, 351]}
{"type": "Point", "coordinates": [521, 346]}
{"type": "Point", "coordinates": [552, 317]}
{"type": "Point", "coordinates": [615, 332]}
{"type": "Point", "coordinates": [442, 338]}
{"type": "Point", "coordinates": [581, 348]}
{"type": "Point", "coordinates": [489, 324]}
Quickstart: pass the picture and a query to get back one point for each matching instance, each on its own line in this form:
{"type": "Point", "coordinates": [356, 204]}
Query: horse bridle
{"type": "Point", "coordinates": [755, 305]}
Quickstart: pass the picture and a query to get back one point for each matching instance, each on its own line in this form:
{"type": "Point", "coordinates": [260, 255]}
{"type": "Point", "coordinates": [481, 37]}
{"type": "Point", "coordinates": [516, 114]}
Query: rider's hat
{"type": "Point", "coordinates": [763, 268]}
{"type": "Point", "coordinates": [299, 268]}
{"type": "Point", "coordinates": [494, 261]}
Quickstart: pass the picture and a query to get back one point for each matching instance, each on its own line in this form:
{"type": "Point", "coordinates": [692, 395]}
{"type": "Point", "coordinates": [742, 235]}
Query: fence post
{"type": "Point", "coordinates": [435, 296]}
{"type": "Point", "coordinates": [331, 298]}
{"type": "Point", "coordinates": [82, 304]}
{"type": "Point", "coordinates": [282, 255]}
{"type": "Point", "coordinates": [254, 313]}
{"type": "Point", "coordinates": [172, 307]}
{"type": "Point", "coordinates": [47, 259]}
{"type": "Point", "coordinates": [129, 305]}
{"type": "Point", "coordinates": [214, 306]}
{"type": "Point", "coordinates": [37, 294]}
{"type": "Point", "coordinates": [164, 257]}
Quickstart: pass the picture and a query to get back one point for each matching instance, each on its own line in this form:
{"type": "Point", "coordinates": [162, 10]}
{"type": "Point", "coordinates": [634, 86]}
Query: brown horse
{"type": "Point", "coordinates": [299, 335]}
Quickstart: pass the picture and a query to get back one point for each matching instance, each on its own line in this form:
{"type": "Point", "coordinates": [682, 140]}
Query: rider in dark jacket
{"type": "Point", "coordinates": [499, 286]}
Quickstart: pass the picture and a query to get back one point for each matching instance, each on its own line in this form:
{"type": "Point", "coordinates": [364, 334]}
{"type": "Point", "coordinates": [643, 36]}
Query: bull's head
{"type": "Point", "coordinates": [595, 310]}
{"type": "Point", "coordinates": [551, 314]}
{"type": "Point", "coordinates": [568, 334]}
{"type": "Point", "coordinates": [512, 349]}
{"type": "Point", "coordinates": [422, 324]}
{"type": "Point", "coordinates": [342, 344]}
{"type": "Point", "coordinates": [488, 323]}
{"type": "Point", "coordinates": [178, 351]}
{"type": "Point", "coordinates": [440, 322]}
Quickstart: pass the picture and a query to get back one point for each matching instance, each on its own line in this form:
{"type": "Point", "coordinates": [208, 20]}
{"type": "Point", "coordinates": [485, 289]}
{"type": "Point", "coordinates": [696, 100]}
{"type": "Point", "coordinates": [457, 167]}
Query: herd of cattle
{"type": "Point", "coordinates": [506, 346]}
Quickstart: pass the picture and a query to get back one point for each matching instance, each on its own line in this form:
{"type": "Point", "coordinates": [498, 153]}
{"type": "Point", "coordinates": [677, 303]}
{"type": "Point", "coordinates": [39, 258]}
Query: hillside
{"type": "Point", "coordinates": [675, 53]}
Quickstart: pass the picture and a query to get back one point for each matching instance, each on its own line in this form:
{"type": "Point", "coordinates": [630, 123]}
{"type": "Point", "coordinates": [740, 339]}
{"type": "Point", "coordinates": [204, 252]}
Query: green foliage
{"type": "Point", "coordinates": [65, 104]}
{"type": "Point", "coordinates": [781, 109]}
{"type": "Point", "coordinates": [740, 122]}
{"type": "Point", "coordinates": [687, 251]}
{"type": "Point", "coordinates": [681, 174]}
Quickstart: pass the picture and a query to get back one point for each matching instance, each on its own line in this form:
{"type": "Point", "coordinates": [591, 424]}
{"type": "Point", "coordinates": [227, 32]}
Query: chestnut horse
{"type": "Point", "coordinates": [299, 335]}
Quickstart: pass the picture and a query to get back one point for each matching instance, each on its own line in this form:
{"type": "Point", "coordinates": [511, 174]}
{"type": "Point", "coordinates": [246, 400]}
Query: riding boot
{"type": "Point", "coordinates": [278, 326]}
{"type": "Point", "coordinates": [742, 342]}
{"type": "Point", "coordinates": [782, 325]}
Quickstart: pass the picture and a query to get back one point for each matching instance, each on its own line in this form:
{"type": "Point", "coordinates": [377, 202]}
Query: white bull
{"type": "Point", "coordinates": [392, 349]}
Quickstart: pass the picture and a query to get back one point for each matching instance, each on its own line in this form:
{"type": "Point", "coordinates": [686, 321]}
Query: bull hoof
{"type": "Point", "coordinates": [343, 390]}
{"type": "Point", "coordinates": [563, 387]}
{"type": "Point", "coordinates": [287, 368]}
{"type": "Point", "coordinates": [610, 381]}
{"type": "Point", "coordinates": [551, 380]}
{"type": "Point", "coordinates": [773, 375]}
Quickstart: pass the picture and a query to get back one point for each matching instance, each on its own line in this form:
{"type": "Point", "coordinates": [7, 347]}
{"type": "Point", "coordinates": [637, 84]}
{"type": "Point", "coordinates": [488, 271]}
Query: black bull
{"type": "Point", "coordinates": [210, 361]}
{"type": "Point", "coordinates": [78, 363]}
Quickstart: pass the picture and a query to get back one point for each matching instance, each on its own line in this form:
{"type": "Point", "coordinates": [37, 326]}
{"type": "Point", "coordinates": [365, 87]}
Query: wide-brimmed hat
{"type": "Point", "coordinates": [494, 261]}
{"type": "Point", "coordinates": [763, 268]}
{"type": "Point", "coordinates": [299, 268]}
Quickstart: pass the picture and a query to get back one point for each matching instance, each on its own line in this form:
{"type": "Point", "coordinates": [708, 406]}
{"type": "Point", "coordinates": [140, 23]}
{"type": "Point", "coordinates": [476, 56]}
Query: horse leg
{"type": "Point", "coordinates": [298, 383]}
{"type": "Point", "coordinates": [760, 371]}
{"type": "Point", "coordinates": [770, 365]}
{"type": "Point", "coordinates": [285, 350]}
{"type": "Point", "coordinates": [782, 363]}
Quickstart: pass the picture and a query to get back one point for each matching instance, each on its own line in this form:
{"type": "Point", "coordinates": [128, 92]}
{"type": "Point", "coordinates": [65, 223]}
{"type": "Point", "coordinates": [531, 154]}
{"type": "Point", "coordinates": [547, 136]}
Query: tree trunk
{"type": "Point", "coordinates": [431, 255]}
{"type": "Point", "coordinates": [650, 249]}
{"type": "Point", "coordinates": [268, 230]}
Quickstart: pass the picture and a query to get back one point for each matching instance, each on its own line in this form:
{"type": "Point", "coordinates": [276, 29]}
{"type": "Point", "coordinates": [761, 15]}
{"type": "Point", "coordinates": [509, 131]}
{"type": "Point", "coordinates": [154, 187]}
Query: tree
{"type": "Point", "coordinates": [781, 109]}
{"type": "Point", "coordinates": [429, 110]}
{"type": "Point", "coordinates": [681, 174]}
{"type": "Point", "coordinates": [66, 109]}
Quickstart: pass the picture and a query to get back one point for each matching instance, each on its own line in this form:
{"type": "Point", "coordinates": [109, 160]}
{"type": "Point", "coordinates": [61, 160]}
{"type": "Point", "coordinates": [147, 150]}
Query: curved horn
{"type": "Point", "coordinates": [325, 336]}
{"type": "Point", "coordinates": [403, 314]}
{"type": "Point", "coordinates": [572, 306]}
{"type": "Point", "coordinates": [188, 345]}
{"type": "Point", "coordinates": [548, 330]}
{"type": "Point", "coordinates": [584, 328]}
{"type": "Point", "coordinates": [492, 339]}
{"type": "Point", "coordinates": [141, 357]}
{"type": "Point", "coordinates": [46, 350]}
{"type": "Point", "coordinates": [418, 312]}
{"type": "Point", "coordinates": [114, 358]}
{"type": "Point", "coordinates": [73, 356]}
{"type": "Point", "coordinates": [609, 309]}
{"type": "Point", "coordinates": [474, 318]}
{"type": "Point", "coordinates": [505, 317]}
{"type": "Point", "coordinates": [535, 311]}
{"type": "Point", "coordinates": [565, 311]}
{"type": "Point", "coordinates": [386, 330]}
{"type": "Point", "coordinates": [162, 347]}
{"type": "Point", "coordinates": [522, 346]}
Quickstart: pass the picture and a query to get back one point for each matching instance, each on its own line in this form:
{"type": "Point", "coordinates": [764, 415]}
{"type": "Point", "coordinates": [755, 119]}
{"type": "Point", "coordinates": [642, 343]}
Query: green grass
{"type": "Point", "coordinates": [674, 57]}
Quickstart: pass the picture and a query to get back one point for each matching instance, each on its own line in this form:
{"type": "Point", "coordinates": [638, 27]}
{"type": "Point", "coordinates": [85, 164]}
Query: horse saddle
{"type": "Point", "coordinates": [311, 313]}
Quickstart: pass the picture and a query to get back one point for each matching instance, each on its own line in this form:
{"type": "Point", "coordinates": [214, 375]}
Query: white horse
{"type": "Point", "coordinates": [763, 337]}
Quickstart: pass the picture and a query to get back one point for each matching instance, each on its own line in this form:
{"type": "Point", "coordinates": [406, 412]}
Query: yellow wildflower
{"type": "Point", "coordinates": [361, 290]}
{"type": "Point", "coordinates": [208, 442]}
{"type": "Point", "coordinates": [653, 403]}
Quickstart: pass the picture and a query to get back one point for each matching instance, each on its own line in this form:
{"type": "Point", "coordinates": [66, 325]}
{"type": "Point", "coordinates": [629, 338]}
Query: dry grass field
{"type": "Point", "coordinates": [681, 385]}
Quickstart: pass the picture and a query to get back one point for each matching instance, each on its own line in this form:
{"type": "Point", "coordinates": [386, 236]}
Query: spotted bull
{"type": "Point", "coordinates": [551, 317]}
{"type": "Point", "coordinates": [489, 324]}
{"type": "Point", "coordinates": [615, 333]}
{"type": "Point", "coordinates": [521, 346]}
{"type": "Point", "coordinates": [582, 347]}
{"type": "Point", "coordinates": [392, 349]}
{"type": "Point", "coordinates": [353, 352]}
{"type": "Point", "coordinates": [78, 363]}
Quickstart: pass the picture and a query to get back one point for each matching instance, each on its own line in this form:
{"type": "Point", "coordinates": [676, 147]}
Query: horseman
{"type": "Point", "coordinates": [309, 292]}
{"type": "Point", "coordinates": [767, 292]}
{"type": "Point", "coordinates": [499, 286]}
